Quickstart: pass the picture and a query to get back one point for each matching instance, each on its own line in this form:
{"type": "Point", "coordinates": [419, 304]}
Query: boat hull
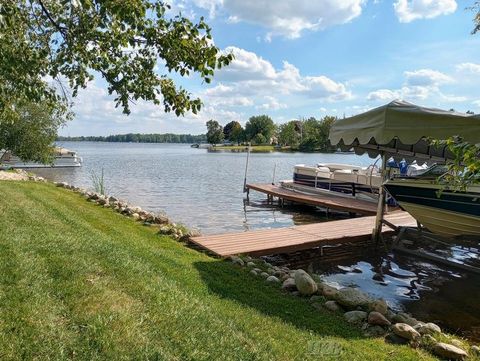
{"type": "Point", "coordinates": [449, 214]}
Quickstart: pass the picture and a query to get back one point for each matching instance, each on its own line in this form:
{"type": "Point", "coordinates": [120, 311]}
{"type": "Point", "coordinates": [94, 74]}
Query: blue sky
{"type": "Point", "coordinates": [312, 58]}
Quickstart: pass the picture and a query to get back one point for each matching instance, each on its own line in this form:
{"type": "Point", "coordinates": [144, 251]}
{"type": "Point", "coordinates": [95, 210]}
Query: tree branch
{"type": "Point", "coordinates": [61, 29]}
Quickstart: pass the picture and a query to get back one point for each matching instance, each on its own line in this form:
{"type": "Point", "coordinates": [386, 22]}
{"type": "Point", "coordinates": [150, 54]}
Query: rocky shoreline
{"type": "Point", "coordinates": [372, 316]}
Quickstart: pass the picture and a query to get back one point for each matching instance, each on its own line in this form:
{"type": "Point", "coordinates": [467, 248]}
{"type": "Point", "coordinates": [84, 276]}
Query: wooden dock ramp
{"type": "Point", "coordinates": [329, 201]}
{"type": "Point", "coordinates": [296, 238]}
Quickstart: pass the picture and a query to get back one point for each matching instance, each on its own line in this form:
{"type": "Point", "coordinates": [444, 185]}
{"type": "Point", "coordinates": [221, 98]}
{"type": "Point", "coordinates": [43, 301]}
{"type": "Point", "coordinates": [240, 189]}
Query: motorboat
{"type": "Point", "coordinates": [63, 158]}
{"type": "Point", "coordinates": [449, 213]}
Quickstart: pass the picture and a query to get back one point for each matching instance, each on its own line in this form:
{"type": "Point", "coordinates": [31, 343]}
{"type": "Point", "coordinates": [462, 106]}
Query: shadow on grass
{"type": "Point", "coordinates": [236, 284]}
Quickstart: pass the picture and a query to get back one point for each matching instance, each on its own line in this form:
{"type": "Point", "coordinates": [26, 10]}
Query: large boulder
{"type": "Point", "coordinates": [405, 331]}
{"type": "Point", "coordinates": [449, 351]}
{"type": "Point", "coordinates": [305, 284]}
{"type": "Point", "coordinates": [355, 316]}
{"type": "Point", "coordinates": [351, 298]}
{"type": "Point", "coordinates": [376, 318]}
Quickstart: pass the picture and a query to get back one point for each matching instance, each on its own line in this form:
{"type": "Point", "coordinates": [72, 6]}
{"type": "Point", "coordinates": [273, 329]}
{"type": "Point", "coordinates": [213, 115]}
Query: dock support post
{"type": "Point", "coordinates": [377, 231]}
{"type": "Point", "coordinates": [246, 170]}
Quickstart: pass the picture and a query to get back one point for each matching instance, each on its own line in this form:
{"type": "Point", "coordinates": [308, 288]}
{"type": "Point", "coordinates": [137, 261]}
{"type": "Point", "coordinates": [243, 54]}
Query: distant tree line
{"type": "Point", "coordinates": [141, 138]}
{"type": "Point", "coordinates": [305, 135]}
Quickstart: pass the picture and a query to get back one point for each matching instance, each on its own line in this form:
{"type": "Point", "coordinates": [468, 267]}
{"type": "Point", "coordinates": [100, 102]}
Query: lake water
{"type": "Point", "coordinates": [204, 190]}
{"type": "Point", "coordinates": [200, 189]}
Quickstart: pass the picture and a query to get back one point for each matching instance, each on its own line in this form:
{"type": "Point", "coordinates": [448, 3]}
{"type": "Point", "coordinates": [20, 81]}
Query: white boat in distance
{"type": "Point", "coordinates": [64, 158]}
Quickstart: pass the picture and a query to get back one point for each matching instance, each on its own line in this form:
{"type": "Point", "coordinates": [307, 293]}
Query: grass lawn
{"type": "Point", "coordinates": [81, 282]}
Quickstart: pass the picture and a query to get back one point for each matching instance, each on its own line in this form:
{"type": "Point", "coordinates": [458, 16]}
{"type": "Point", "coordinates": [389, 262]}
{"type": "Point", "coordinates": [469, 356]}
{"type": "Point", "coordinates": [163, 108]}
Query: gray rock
{"type": "Point", "coordinates": [250, 264]}
{"type": "Point", "coordinates": [289, 284]}
{"type": "Point", "coordinates": [264, 274]}
{"type": "Point", "coordinates": [355, 316]}
{"type": "Point", "coordinates": [272, 279]}
{"type": "Point", "coordinates": [135, 216]}
{"type": "Point", "coordinates": [258, 270]}
{"type": "Point", "coordinates": [253, 273]}
{"type": "Point", "coordinates": [428, 328]}
{"type": "Point", "coordinates": [327, 291]}
{"type": "Point", "coordinates": [305, 284]}
{"type": "Point", "coordinates": [332, 306]}
{"type": "Point", "coordinates": [376, 318]}
{"type": "Point", "coordinates": [374, 331]}
{"type": "Point", "coordinates": [449, 351]}
{"type": "Point", "coordinates": [405, 331]}
{"type": "Point", "coordinates": [475, 350]}
{"type": "Point", "coordinates": [351, 298]}
{"type": "Point", "coordinates": [237, 261]}
{"type": "Point", "coordinates": [398, 318]}
{"type": "Point", "coordinates": [379, 305]}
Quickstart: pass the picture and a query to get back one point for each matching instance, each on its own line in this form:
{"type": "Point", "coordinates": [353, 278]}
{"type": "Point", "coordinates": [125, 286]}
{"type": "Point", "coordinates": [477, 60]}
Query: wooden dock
{"type": "Point", "coordinates": [296, 238]}
{"type": "Point", "coordinates": [327, 201]}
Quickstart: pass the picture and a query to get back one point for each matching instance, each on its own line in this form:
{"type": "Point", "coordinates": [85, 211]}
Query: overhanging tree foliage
{"type": "Point", "coordinates": [125, 42]}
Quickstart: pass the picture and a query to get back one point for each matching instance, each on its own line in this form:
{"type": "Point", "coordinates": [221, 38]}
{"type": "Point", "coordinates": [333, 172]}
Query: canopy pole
{"type": "Point", "coordinates": [377, 231]}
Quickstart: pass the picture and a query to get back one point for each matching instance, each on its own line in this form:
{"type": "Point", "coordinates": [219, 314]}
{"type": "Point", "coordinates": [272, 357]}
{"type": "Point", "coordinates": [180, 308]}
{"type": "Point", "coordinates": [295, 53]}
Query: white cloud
{"type": "Point", "coordinates": [426, 77]}
{"type": "Point", "coordinates": [285, 17]}
{"type": "Point", "coordinates": [271, 104]}
{"type": "Point", "coordinates": [468, 68]}
{"type": "Point", "coordinates": [410, 10]}
{"type": "Point", "coordinates": [245, 66]}
{"type": "Point", "coordinates": [250, 75]}
{"type": "Point", "coordinates": [383, 94]}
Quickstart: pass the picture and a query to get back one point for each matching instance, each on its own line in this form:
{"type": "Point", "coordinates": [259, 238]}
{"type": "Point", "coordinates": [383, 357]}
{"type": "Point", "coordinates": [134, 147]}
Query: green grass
{"type": "Point", "coordinates": [78, 281]}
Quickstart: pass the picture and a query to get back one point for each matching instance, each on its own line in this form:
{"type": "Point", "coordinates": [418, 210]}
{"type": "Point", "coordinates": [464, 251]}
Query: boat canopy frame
{"type": "Point", "coordinates": [401, 129]}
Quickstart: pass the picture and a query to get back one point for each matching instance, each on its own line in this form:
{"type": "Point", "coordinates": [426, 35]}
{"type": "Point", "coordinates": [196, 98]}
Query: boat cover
{"type": "Point", "coordinates": [401, 129]}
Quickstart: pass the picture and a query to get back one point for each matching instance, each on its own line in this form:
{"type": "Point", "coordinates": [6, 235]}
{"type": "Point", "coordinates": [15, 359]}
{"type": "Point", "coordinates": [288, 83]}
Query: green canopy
{"type": "Point", "coordinates": [400, 128]}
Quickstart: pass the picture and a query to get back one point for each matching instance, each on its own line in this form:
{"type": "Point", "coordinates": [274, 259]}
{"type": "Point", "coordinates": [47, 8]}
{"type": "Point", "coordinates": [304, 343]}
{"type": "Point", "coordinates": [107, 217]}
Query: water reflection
{"type": "Point", "coordinates": [432, 293]}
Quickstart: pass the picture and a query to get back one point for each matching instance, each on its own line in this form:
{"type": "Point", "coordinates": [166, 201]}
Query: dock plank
{"type": "Point", "coordinates": [295, 238]}
{"type": "Point", "coordinates": [329, 201]}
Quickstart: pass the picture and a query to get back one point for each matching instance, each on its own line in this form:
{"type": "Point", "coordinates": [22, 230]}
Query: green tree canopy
{"type": "Point", "coordinates": [290, 133]}
{"type": "Point", "coordinates": [31, 136]}
{"type": "Point", "coordinates": [214, 132]}
{"type": "Point", "coordinates": [315, 134]}
{"type": "Point", "coordinates": [233, 131]}
{"type": "Point", "coordinates": [261, 124]}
